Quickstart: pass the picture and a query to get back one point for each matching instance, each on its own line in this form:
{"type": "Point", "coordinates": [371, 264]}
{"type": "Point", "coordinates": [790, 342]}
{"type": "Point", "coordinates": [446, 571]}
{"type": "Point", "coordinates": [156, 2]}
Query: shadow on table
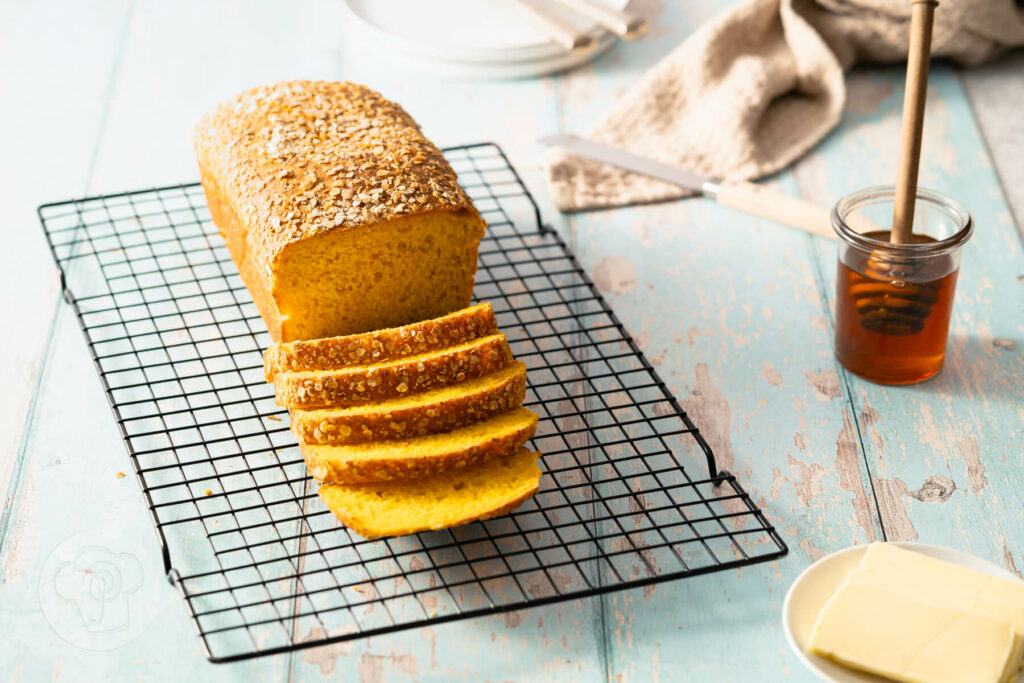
{"type": "Point", "coordinates": [987, 367]}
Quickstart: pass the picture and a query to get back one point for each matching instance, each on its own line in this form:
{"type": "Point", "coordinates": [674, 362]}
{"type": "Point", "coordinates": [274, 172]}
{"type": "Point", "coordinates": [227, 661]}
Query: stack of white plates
{"type": "Point", "coordinates": [472, 38]}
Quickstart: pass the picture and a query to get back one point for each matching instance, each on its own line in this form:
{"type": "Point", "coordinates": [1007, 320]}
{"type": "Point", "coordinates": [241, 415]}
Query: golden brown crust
{"type": "Point", "coordinates": [367, 383]}
{"type": "Point", "coordinates": [236, 236]}
{"type": "Point", "coordinates": [361, 158]}
{"type": "Point", "coordinates": [325, 465]}
{"type": "Point", "coordinates": [375, 347]}
{"type": "Point", "coordinates": [381, 422]}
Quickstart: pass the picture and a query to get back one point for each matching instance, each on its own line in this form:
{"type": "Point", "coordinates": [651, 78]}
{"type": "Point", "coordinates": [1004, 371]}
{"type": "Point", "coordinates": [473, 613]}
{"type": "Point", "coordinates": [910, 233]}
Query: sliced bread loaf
{"type": "Point", "coordinates": [422, 455]}
{"type": "Point", "coordinates": [341, 216]}
{"type": "Point", "coordinates": [375, 347]}
{"type": "Point", "coordinates": [438, 410]}
{"type": "Point", "coordinates": [380, 381]}
{"type": "Point", "coordinates": [442, 500]}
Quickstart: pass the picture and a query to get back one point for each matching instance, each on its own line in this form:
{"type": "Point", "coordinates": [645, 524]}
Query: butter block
{"type": "Point", "coordinates": [889, 634]}
{"type": "Point", "coordinates": [965, 597]}
{"type": "Point", "coordinates": [957, 582]}
{"type": "Point", "coordinates": [932, 581]}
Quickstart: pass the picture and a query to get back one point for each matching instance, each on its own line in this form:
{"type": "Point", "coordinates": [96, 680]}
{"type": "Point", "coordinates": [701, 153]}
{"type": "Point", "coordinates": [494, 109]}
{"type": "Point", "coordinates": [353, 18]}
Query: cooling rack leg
{"type": "Point", "coordinates": [174, 578]}
{"type": "Point", "coordinates": [709, 455]}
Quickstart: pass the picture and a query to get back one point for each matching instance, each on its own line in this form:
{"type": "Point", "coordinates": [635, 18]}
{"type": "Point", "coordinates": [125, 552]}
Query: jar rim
{"type": "Point", "coordinates": [846, 204]}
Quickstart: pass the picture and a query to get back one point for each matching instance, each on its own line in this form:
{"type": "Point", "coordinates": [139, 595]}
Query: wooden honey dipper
{"type": "Point", "coordinates": [887, 303]}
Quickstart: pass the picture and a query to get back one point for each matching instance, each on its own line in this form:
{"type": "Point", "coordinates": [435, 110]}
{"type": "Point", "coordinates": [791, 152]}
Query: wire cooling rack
{"type": "Point", "coordinates": [630, 494]}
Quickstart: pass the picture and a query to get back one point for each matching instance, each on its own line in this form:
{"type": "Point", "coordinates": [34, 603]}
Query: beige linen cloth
{"type": "Point", "coordinates": [759, 85]}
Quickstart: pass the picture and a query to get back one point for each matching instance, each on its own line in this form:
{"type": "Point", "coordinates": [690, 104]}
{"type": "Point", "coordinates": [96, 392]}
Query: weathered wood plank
{"type": "Point", "coordinates": [996, 92]}
{"type": "Point", "coordinates": [49, 144]}
{"type": "Point", "coordinates": [732, 312]}
{"type": "Point", "coordinates": [73, 512]}
{"type": "Point", "coordinates": [768, 402]}
{"type": "Point", "coordinates": [182, 61]}
{"type": "Point", "coordinates": [149, 121]}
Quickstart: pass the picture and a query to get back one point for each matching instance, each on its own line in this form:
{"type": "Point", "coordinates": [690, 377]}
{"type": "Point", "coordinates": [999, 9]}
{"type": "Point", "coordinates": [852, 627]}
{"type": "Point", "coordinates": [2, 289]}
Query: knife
{"type": "Point", "coordinates": [747, 197]}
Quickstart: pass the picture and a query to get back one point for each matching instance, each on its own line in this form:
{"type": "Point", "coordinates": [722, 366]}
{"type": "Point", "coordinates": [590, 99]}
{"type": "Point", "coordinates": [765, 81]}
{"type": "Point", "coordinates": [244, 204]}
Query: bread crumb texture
{"type": "Point", "coordinates": [412, 428]}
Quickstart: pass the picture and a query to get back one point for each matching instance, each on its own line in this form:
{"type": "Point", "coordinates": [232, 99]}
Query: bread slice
{"type": "Point", "coordinates": [443, 500]}
{"type": "Point", "coordinates": [391, 379]}
{"type": "Point", "coordinates": [375, 347]}
{"type": "Point", "coordinates": [438, 410]}
{"type": "Point", "coordinates": [422, 455]}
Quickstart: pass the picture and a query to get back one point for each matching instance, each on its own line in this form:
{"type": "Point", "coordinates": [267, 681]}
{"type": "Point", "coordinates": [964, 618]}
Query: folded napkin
{"type": "Point", "coordinates": [759, 85]}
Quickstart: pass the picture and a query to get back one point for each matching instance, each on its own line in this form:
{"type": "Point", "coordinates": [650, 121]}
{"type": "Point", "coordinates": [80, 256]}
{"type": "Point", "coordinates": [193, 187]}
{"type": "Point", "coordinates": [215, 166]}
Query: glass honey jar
{"type": "Point", "coordinates": [894, 301]}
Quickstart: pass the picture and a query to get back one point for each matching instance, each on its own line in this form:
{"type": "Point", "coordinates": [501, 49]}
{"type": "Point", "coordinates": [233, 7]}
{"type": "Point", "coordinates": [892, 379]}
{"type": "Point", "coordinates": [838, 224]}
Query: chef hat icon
{"type": "Point", "coordinates": [99, 582]}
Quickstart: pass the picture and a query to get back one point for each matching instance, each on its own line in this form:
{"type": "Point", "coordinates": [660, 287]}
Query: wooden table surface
{"type": "Point", "coordinates": [735, 312]}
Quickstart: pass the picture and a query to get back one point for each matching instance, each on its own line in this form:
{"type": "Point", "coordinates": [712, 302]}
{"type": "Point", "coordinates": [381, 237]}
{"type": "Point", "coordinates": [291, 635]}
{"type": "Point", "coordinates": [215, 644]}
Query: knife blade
{"type": "Point", "coordinates": [748, 197]}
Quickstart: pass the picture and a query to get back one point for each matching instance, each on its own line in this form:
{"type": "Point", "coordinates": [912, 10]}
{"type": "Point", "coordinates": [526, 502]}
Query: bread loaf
{"type": "Point", "coordinates": [340, 215]}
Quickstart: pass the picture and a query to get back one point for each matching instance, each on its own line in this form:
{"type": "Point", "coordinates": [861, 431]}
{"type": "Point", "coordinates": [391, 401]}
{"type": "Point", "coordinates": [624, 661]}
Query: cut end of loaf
{"type": "Point", "coordinates": [352, 281]}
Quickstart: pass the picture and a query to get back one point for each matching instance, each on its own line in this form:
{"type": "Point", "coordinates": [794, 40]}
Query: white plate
{"type": "Point", "coordinates": [818, 582]}
{"type": "Point", "coordinates": [464, 30]}
{"type": "Point", "coordinates": [502, 70]}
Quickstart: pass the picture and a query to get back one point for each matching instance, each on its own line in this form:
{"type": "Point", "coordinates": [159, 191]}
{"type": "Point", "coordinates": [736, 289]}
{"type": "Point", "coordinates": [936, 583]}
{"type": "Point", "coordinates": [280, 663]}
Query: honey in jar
{"type": "Point", "coordinates": [894, 302]}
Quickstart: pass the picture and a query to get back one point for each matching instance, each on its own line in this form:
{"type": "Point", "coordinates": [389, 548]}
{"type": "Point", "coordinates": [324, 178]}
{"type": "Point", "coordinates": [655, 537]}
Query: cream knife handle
{"type": "Point", "coordinates": [791, 211]}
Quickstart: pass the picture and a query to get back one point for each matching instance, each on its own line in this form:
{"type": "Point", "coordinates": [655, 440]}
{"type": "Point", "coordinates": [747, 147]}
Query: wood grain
{"type": "Point", "coordinates": [996, 92]}
{"type": "Point", "coordinates": [34, 137]}
{"type": "Point", "coordinates": [731, 311]}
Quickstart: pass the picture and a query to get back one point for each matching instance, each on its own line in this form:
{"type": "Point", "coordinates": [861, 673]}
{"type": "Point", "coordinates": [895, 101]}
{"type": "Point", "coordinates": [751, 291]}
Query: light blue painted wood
{"type": "Point", "coordinates": [70, 501]}
{"type": "Point", "coordinates": [734, 311]}
{"type": "Point", "coordinates": [752, 303]}
{"type": "Point", "coordinates": [33, 137]}
{"type": "Point", "coordinates": [731, 311]}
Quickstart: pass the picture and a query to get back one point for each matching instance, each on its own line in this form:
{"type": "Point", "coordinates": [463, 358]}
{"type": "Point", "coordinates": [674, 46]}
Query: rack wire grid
{"type": "Point", "coordinates": [630, 493]}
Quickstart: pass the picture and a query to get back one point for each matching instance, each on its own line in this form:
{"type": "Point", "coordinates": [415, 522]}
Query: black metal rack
{"type": "Point", "coordinates": [262, 565]}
